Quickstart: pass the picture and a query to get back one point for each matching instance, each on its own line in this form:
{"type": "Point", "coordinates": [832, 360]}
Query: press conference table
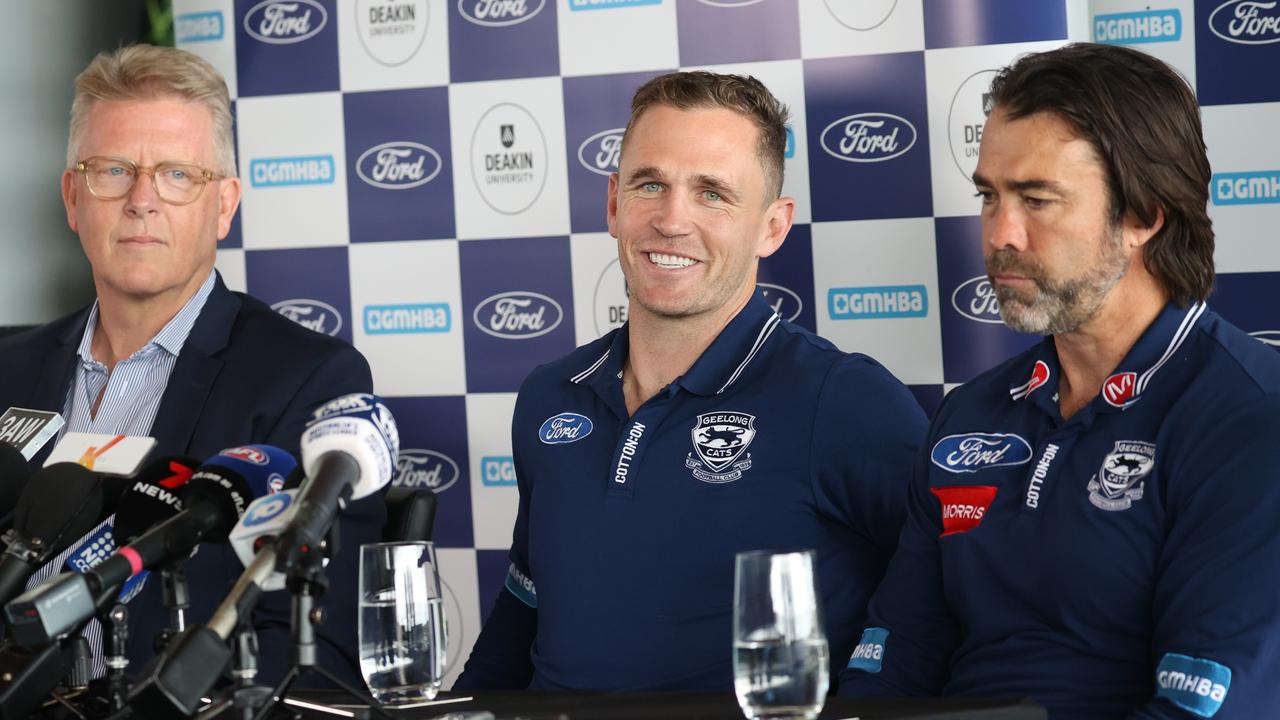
{"type": "Point", "coordinates": [620, 706]}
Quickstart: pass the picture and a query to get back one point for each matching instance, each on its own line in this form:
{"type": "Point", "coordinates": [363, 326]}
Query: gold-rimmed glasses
{"type": "Point", "coordinates": [177, 183]}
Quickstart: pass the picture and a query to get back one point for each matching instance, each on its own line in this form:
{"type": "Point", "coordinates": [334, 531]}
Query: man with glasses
{"type": "Point", "coordinates": [167, 350]}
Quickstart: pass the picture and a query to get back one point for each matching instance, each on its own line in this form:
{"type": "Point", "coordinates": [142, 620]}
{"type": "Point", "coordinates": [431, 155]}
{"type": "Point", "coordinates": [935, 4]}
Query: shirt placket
{"type": "Point", "coordinates": [634, 440]}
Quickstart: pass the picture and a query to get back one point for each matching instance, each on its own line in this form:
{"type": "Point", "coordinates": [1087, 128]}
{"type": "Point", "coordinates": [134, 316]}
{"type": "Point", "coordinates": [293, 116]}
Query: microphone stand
{"type": "Point", "coordinates": [307, 582]}
{"type": "Point", "coordinates": [176, 600]}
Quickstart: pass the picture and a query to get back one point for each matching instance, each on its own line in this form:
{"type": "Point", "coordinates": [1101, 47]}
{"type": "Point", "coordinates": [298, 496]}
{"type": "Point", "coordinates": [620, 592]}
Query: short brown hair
{"type": "Point", "coordinates": [147, 72]}
{"type": "Point", "coordinates": [740, 93]}
{"type": "Point", "coordinates": [1143, 120]}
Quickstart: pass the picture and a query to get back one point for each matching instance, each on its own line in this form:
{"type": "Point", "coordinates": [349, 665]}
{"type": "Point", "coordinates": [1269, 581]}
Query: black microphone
{"type": "Point", "coordinates": [59, 505]}
{"type": "Point", "coordinates": [213, 499]}
{"type": "Point", "coordinates": [14, 474]}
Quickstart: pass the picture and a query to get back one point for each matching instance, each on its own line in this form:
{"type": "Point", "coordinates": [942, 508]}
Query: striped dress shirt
{"type": "Point", "coordinates": [130, 400]}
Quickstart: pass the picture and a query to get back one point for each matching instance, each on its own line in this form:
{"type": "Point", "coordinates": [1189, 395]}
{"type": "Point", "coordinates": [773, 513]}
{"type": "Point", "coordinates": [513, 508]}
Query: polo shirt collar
{"type": "Point", "coordinates": [719, 366]}
{"type": "Point", "coordinates": [1123, 388]}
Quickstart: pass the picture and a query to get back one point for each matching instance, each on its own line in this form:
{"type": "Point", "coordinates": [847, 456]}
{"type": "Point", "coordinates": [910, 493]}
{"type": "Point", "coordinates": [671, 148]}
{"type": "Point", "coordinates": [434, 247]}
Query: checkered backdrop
{"type": "Point", "coordinates": [426, 179]}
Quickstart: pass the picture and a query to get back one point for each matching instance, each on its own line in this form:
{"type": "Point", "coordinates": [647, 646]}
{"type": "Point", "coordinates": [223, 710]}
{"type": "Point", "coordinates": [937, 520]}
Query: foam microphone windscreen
{"type": "Point", "coordinates": [60, 504]}
{"type": "Point", "coordinates": [14, 474]}
{"type": "Point", "coordinates": [153, 496]}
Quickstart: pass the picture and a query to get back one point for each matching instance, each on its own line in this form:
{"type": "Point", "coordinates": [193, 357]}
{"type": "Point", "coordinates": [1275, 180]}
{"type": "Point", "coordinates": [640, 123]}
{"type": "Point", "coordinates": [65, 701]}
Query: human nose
{"type": "Point", "coordinates": [672, 218]}
{"type": "Point", "coordinates": [142, 198]}
{"type": "Point", "coordinates": [1003, 226]}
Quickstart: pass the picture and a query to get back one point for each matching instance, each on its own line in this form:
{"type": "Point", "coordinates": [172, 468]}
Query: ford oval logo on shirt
{"type": "Point", "coordinates": [971, 452]}
{"type": "Point", "coordinates": [282, 23]}
{"type": "Point", "coordinates": [564, 428]}
{"type": "Point", "coordinates": [868, 137]}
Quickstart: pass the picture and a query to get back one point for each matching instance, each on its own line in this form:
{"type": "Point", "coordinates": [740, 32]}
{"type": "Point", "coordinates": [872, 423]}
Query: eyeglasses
{"type": "Point", "coordinates": [176, 183]}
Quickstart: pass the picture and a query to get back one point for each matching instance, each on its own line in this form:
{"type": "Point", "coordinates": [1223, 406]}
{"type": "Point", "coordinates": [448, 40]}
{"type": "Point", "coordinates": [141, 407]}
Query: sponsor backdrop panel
{"type": "Point", "coordinates": [1244, 193]}
{"type": "Point", "coordinates": [434, 455]}
{"type": "Point", "coordinates": [407, 303]}
{"type": "Point", "coordinates": [493, 484]}
{"type": "Point", "coordinates": [517, 300]}
{"type": "Point", "coordinates": [292, 171]}
{"type": "Point", "coordinates": [310, 286]}
{"type": "Point", "coordinates": [1166, 30]}
{"type": "Point", "coordinates": [617, 36]}
{"type": "Point", "coordinates": [204, 27]}
{"type": "Point", "coordinates": [513, 96]}
{"type": "Point", "coordinates": [867, 127]}
{"type": "Point", "coordinates": [400, 180]}
{"type": "Point", "coordinates": [877, 293]}
{"type": "Point", "coordinates": [973, 338]}
{"type": "Point", "coordinates": [731, 31]}
{"type": "Point", "coordinates": [1251, 301]}
{"type": "Point", "coordinates": [385, 44]}
{"type": "Point", "coordinates": [509, 173]}
{"type": "Point", "coordinates": [835, 28]}
{"type": "Point", "coordinates": [285, 47]}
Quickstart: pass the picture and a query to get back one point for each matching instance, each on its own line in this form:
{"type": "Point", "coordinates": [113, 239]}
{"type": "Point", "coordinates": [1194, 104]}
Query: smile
{"type": "Point", "coordinates": [670, 261]}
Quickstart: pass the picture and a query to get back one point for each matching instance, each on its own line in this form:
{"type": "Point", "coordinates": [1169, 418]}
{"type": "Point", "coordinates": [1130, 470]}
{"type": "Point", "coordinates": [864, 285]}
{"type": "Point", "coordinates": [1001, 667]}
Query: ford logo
{"type": "Point", "coordinates": [976, 300]}
{"type": "Point", "coordinates": [600, 152]}
{"type": "Point", "coordinates": [311, 314]}
{"type": "Point", "coordinates": [1243, 22]}
{"type": "Point", "coordinates": [425, 469]}
{"type": "Point", "coordinates": [398, 165]}
{"type": "Point", "coordinates": [518, 315]}
{"type": "Point", "coordinates": [564, 428]}
{"type": "Point", "coordinates": [1267, 337]}
{"type": "Point", "coordinates": [499, 13]}
{"type": "Point", "coordinates": [972, 452]}
{"type": "Point", "coordinates": [282, 23]}
{"type": "Point", "coordinates": [868, 137]}
{"type": "Point", "coordinates": [247, 454]}
{"type": "Point", "coordinates": [784, 302]}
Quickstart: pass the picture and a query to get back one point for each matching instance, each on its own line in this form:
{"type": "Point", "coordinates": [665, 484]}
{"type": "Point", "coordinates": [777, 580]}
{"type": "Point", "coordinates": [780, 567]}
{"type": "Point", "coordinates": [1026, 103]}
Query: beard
{"type": "Point", "coordinates": [1054, 305]}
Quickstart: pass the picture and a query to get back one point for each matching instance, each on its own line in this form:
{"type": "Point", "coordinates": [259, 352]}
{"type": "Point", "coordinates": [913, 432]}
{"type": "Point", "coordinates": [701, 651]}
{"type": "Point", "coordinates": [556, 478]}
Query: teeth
{"type": "Point", "coordinates": [670, 261]}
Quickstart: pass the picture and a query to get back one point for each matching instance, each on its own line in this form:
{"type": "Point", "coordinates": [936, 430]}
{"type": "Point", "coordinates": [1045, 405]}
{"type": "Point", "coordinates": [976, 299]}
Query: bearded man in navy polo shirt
{"type": "Point", "coordinates": [704, 427]}
{"type": "Point", "coordinates": [1094, 522]}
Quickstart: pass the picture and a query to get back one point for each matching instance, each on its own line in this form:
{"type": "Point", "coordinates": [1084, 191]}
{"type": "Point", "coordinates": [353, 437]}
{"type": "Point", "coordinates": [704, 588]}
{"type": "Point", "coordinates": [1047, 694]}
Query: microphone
{"type": "Point", "coordinates": [28, 430]}
{"type": "Point", "coordinates": [349, 450]}
{"type": "Point", "coordinates": [215, 496]}
{"type": "Point", "coordinates": [14, 474]}
{"type": "Point", "coordinates": [57, 507]}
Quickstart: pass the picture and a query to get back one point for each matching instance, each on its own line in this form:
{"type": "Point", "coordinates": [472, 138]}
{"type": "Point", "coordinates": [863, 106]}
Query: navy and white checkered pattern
{"type": "Point", "coordinates": [427, 179]}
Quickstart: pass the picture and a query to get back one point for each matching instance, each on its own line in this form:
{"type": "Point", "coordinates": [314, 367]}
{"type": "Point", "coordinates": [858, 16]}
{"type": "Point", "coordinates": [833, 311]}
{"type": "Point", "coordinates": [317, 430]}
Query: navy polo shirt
{"type": "Point", "coordinates": [1126, 560]}
{"type": "Point", "coordinates": [627, 526]}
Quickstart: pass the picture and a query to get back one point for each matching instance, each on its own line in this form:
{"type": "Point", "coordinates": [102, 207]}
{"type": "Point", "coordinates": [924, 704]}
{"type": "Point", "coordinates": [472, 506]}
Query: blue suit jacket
{"type": "Point", "coordinates": [245, 375]}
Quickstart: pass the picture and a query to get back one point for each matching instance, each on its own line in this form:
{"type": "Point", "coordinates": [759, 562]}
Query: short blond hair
{"type": "Point", "coordinates": [147, 72]}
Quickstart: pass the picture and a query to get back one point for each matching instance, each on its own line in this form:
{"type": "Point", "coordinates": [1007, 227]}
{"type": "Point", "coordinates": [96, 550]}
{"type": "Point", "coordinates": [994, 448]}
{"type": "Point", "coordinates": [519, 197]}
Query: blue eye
{"type": "Point", "coordinates": [651, 187]}
{"type": "Point", "coordinates": [713, 196]}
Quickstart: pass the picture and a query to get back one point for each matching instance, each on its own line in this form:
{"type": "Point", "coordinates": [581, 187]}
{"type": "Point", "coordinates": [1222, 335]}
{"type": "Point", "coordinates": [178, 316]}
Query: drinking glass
{"type": "Point", "coordinates": [403, 638]}
{"type": "Point", "coordinates": [779, 647]}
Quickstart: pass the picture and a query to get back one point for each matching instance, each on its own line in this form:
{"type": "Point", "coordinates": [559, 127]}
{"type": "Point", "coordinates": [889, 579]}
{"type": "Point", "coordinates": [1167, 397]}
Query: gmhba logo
{"type": "Point", "coordinates": [416, 468]}
{"type": "Point", "coordinates": [398, 165]}
{"type": "Point", "coordinates": [518, 315]}
{"type": "Point", "coordinates": [499, 13]}
{"type": "Point", "coordinates": [868, 137]}
{"type": "Point", "coordinates": [1246, 22]}
{"type": "Point", "coordinates": [283, 23]}
{"type": "Point", "coordinates": [392, 31]}
{"type": "Point", "coordinates": [509, 158]}
{"type": "Point", "coordinates": [600, 152]}
{"type": "Point", "coordinates": [976, 300]}
{"type": "Point", "coordinates": [311, 314]}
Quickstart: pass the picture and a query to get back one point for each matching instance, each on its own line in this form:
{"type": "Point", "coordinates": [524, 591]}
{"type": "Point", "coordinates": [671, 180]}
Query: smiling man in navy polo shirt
{"type": "Point", "coordinates": [704, 427]}
{"type": "Point", "coordinates": [1094, 522]}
